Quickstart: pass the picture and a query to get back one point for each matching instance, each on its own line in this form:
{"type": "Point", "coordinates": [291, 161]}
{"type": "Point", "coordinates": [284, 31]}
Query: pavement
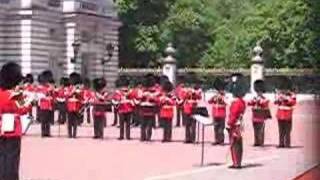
{"type": "Point", "coordinates": [84, 158]}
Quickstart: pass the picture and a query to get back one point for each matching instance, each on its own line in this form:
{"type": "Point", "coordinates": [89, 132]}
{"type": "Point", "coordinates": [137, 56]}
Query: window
{"type": "Point", "coordinates": [54, 3]}
{"type": "Point", "coordinates": [4, 1]}
{"type": "Point", "coordinates": [88, 6]}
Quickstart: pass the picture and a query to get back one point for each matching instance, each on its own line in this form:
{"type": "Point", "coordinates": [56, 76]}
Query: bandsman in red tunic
{"type": "Point", "coordinates": [101, 105]}
{"type": "Point", "coordinates": [260, 112]}
{"type": "Point", "coordinates": [180, 93]}
{"type": "Point", "coordinates": [87, 95]}
{"type": "Point", "coordinates": [218, 102]}
{"type": "Point", "coordinates": [12, 108]}
{"type": "Point", "coordinates": [74, 104]}
{"type": "Point", "coordinates": [60, 98]}
{"type": "Point", "coordinates": [167, 102]}
{"type": "Point", "coordinates": [136, 92]}
{"type": "Point", "coordinates": [123, 97]}
{"type": "Point", "coordinates": [189, 105]}
{"type": "Point", "coordinates": [148, 105]}
{"type": "Point", "coordinates": [286, 100]}
{"type": "Point", "coordinates": [235, 121]}
{"type": "Point", "coordinates": [46, 102]}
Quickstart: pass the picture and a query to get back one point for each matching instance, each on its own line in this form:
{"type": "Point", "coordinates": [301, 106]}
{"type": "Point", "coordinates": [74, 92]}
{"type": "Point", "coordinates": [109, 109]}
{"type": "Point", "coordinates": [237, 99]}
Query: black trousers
{"type": "Point", "coordinates": [136, 117]}
{"type": "Point", "coordinates": [45, 117]}
{"type": "Point", "coordinates": [219, 125]}
{"type": "Point", "coordinates": [167, 129]}
{"type": "Point", "coordinates": [146, 128]}
{"type": "Point", "coordinates": [258, 129]}
{"type": "Point", "coordinates": [62, 109]}
{"type": "Point", "coordinates": [88, 115]}
{"type": "Point", "coordinates": [125, 120]}
{"type": "Point", "coordinates": [284, 133]}
{"type": "Point", "coordinates": [190, 124]}
{"type": "Point", "coordinates": [98, 126]}
{"type": "Point", "coordinates": [9, 158]}
{"type": "Point", "coordinates": [115, 114]}
{"type": "Point", "coordinates": [179, 112]}
{"type": "Point", "coordinates": [73, 121]}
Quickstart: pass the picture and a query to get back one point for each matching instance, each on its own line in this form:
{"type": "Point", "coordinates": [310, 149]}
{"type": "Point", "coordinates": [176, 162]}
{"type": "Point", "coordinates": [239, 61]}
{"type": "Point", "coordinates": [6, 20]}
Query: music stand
{"type": "Point", "coordinates": [204, 121]}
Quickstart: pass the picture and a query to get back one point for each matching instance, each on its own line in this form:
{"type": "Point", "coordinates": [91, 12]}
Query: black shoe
{"type": "Point", "coordinates": [216, 143]}
{"type": "Point", "coordinates": [120, 138]}
{"type": "Point", "coordinates": [95, 137]}
{"type": "Point", "coordinates": [234, 167]}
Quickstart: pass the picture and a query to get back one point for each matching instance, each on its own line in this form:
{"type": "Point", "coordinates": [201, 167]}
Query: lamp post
{"type": "Point", "coordinates": [257, 65]}
{"type": "Point", "coordinates": [110, 49]}
{"type": "Point", "coordinates": [76, 47]}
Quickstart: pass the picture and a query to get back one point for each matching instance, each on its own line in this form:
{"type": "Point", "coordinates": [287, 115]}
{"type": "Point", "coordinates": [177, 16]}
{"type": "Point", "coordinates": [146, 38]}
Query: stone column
{"type": "Point", "coordinates": [169, 68]}
{"type": "Point", "coordinates": [257, 66]}
{"type": "Point", "coordinates": [70, 38]}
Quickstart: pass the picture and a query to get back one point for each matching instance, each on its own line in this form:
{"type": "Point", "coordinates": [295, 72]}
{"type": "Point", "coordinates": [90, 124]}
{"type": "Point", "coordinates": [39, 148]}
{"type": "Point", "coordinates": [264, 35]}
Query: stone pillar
{"type": "Point", "coordinates": [257, 66]}
{"type": "Point", "coordinates": [70, 38]}
{"type": "Point", "coordinates": [169, 68]}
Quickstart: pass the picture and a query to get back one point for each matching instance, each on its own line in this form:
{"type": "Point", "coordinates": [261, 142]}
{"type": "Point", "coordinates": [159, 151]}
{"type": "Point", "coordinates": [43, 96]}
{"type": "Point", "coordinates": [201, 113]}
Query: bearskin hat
{"type": "Point", "coordinates": [238, 86]}
{"type": "Point", "coordinates": [40, 79]}
{"type": "Point", "coordinates": [284, 83]}
{"type": "Point", "coordinates": [259, 86]}
{"type": "Point", "coordinates": [87, 82]}
{"type": "Point", "coordinates": [219, 84]}
{"type": "Point", "coordinates": [163, 79]}
{"type": "Point", "coordinates": [10, 75]}
{"type": "Point", "coordinates": [99, 84]}
{"type": "Point", "coordinates": [148, 81]}
{"type": "Point", "coordinates": [167, 86]}
{"type": "Point", "coordinates": [64, 81]}
{"type": "Point", "coordinates": [122, 81]}
{"type": "Point", "coordinates": [75, 78]}
{"type": "Point", "coordinates": [29, 79]}
{"type": "Point", "coordinates": [48, 76]}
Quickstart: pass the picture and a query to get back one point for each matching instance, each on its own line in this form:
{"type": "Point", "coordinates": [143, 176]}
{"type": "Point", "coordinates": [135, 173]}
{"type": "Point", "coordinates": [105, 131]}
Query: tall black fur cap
{"type": "Point", "coordinates": [64, 81]}
{"type": "Point", "coordinates": [99, 84]}
{"type": "Point", "coordinates": [10, 75]}
{"type": "Point", "coordinates": [238, 87]}
{"type": "Point", "coordinates": [122, 81]}
{"type": "Point", "coordinates": [148, 81]}
{"type": "Point", "coordinates": [29, 79]}
{"type": "Point", "coordinates": [259, 86]}
{"type": "Point", "coordinates": [48, 76]}
{"type": "Point", "coordinates": [75, 78]}
{"type": "Point", "coordinates": [167, 86]}
{"type": "Point", "coordinates": [219, 84]}
{"type": "Point", "coordinates": [284, 83]}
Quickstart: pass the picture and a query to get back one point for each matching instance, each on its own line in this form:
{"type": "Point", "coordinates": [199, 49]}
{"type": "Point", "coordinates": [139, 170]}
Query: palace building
{"type": "Point", "coordinates": [61, 35]}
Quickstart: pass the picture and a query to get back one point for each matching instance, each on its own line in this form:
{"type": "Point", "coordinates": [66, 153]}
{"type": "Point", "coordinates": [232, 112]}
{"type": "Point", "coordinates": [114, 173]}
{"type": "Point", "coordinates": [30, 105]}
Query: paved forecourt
{"type": "Point", "coordinates": [60, 158]}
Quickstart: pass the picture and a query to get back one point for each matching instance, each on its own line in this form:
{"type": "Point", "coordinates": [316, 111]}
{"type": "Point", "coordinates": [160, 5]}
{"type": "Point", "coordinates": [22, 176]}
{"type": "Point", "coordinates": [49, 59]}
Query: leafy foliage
{"type": "Point", "coordinates": [220, 33]}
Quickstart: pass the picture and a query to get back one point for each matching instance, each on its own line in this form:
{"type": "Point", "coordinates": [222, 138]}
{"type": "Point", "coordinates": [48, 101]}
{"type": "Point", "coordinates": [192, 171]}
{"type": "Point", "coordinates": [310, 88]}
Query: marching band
{"type": "Point", "coordinates": [146, 105]}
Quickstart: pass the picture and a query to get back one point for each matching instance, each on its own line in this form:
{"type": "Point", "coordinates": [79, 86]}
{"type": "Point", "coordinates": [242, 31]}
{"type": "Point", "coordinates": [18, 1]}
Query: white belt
{"type": "Point", "coordinates": [219, 106]}
{"type": "Point", "coordinates": [285, 108]}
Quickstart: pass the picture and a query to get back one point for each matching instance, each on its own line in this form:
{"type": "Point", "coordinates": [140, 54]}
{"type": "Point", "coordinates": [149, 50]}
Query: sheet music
{"type": "Point", "coordinates": [203, 120]}
{"type": "Point", "coordinates": [7, 123]}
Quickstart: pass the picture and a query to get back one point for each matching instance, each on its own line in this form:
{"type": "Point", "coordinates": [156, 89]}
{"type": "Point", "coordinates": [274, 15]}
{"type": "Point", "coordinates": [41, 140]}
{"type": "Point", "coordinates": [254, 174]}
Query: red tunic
{"type": "Point", "coordinates": [46, 100]}
{"type": "Point", "coordinates": [166, 104]}
{"type": "Point", "coordinates": [237, 109]}
{"type": "Point", "coordinates": [100, 101]}
{"type": "Point", "coordinates": [124, 98]}
{"type": "Point", "coordinates": [9, 106]}
{"type": "Point", "coordinates": [218, 106]}
{"type": "Point", "coordinates": [188, 106]}
{"type": "Point", "coordinates": [258, 104]}
{"type": "Point", "coordinates": [75, 100]}
{"type": "Point", "coordinates": [285, 106]}
{"type": "Point", "coordinates": [148, 103]}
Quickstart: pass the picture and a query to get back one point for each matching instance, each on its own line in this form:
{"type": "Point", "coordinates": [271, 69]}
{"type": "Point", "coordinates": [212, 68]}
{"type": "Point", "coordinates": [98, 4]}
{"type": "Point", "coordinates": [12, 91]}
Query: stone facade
{"type": "Point", "coordinates": [38, 34]}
